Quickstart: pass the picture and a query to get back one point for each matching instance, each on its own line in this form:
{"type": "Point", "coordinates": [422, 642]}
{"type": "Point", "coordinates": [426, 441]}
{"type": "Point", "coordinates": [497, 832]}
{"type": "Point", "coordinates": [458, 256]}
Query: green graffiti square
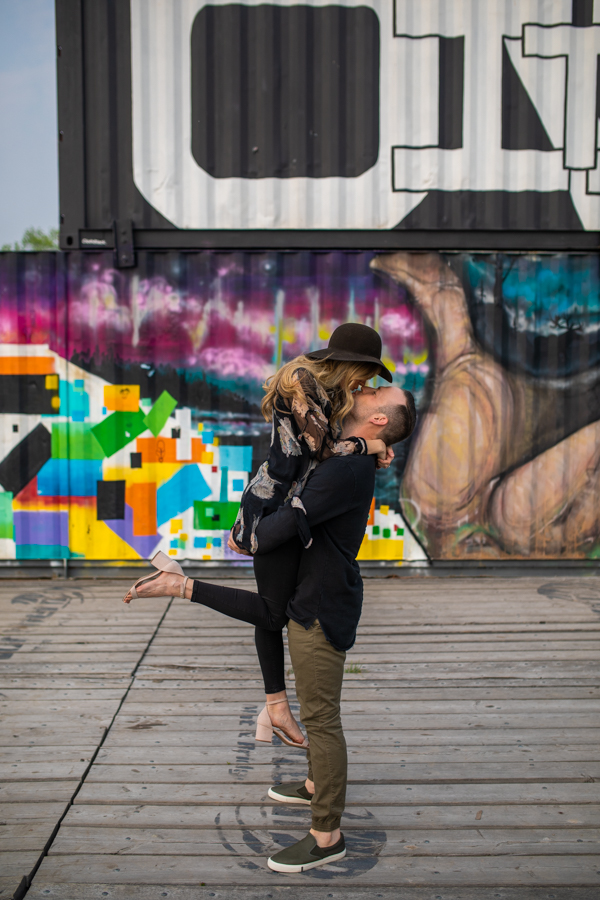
{"type": "Point", "coordinates": [212, 516]}
{"type": "Point", "coordinates": [118, 429]}
{"type": "Point", "coordinates": [6, 516]}
{"type": "Point", "coordinates": [160, 412]}
{"type": "Point", "coordinates": [75, 440]}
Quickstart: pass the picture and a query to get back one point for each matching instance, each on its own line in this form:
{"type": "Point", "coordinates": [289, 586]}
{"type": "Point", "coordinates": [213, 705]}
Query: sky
{"type": "Point", "coordinates": [28, 151]}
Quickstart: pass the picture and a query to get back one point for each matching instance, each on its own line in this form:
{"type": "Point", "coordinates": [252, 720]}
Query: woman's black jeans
{"type": "Point", "coordinates": [276, 574]}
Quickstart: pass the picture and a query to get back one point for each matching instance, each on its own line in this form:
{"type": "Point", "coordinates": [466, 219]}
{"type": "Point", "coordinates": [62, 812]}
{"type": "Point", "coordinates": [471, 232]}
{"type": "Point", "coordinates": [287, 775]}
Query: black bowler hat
{"type": "Point", "coordinates": [354, 343]}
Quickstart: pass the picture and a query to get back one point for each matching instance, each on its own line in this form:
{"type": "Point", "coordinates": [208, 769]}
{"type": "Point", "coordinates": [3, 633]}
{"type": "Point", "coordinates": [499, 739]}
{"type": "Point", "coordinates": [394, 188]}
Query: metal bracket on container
{"type": "Point", "coordinates": [124, 251]}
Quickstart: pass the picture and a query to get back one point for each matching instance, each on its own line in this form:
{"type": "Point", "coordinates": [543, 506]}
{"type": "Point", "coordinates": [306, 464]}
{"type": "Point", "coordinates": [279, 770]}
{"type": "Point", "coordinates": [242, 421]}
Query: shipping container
{"type": "Point", "coordinates": [360, 124]}
{"type": "Point", "coordinates": [236, 180]}
{"type": "Point", "coordinates": [130, 417]}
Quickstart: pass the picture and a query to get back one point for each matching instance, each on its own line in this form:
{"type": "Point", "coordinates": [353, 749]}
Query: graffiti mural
{"type": "Point", "coordinates": [506, 462]}
{"type": "Point", "coordinates": [130, 399]}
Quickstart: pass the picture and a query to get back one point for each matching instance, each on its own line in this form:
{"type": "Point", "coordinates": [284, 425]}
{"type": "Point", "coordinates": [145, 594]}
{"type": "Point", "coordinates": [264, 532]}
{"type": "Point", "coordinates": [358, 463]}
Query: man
{"type": "Point", "coordinates": [324, 614]}
{"type": "Point", "coordinates": [324, 611]}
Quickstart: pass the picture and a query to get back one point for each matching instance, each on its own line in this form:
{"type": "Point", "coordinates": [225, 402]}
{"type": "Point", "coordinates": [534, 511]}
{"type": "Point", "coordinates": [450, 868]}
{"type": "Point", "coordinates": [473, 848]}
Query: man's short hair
{"type": "Point", "coordinates": [401, 420]}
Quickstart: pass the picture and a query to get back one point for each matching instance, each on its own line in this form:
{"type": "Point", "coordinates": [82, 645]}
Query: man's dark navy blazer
{"type": "Point", "coordinates": [337, 499]}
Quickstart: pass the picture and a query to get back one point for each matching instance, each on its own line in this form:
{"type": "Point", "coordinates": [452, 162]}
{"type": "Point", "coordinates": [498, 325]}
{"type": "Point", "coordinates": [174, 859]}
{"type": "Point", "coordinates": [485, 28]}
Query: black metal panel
{"type": "Point", "coordinates": [285, 92]}
{"type": "Point", "coordinates": [94, 113]}
{"type": "Point", "coordinates": [452, 76]}
{"type": "Point", "coordinates": [415, 239]}
{"type": "Point", "coordinates": [71, 145]}
{"type": "Point", "coordinates": [552, 210]}
{"type": "Point", "coordinates": [522, 128]}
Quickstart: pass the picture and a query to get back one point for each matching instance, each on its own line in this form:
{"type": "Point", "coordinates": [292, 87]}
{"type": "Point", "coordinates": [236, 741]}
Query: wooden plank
{"type": "Point", "coordinates": [69, 721]}
{"type": "Point", "coordinates": [85, 637]}
{"type": "Point", "coordinates": [397, 871]}
{"type": "Point", "coordinates": [32, 835]}
{"type": "Point", "coordinates": [53, 694]}
{"type": "Point", "coordinates": [52, 682]}
{"type": "Point", "coordinates": [192, 754]}
{"type": "Point", "coordinates": [50, 737]}
{"type": "Point", "coordinates": [367, 723]}
{"type": "Point", "coordinates": [219, 842]}
{"type": "Point", "coordinates": [60, 754]}
{"type": "Point", "coordinates": [145, 815]}
{"type": "Point", "coordinates": [44, 771]}
{"type": "Point", "coordinates": [75, 649]}
{"type": "Point", "coordinates": [17, 863]}
{"type": "Point", "coordinates": [203, 637]}
{"type": "Point", "coordinates": [434, 643]}
{"type": "Point", "coordinates": [162, 692]}
{"type": "Point", "coordinates": [382, 654]}
{"type": "Point", "coordinates": [36, 791]}
{"type": "Point", "coordinates": [24, 812]}
{"type": "Point", "coordinates": [12, 710]}
{"type": "Point", "coordinates": [135, 706]}
{"type": "Point", "coordinates": [369, 773]}
{"type": "Point", "coordinates": [41, 658]}
{"type": "Point", "coordinates": [69, 668]}
{"type": "Point", "coordinates": [417, 676]}
{"type": "Point", "coordinates": [423, 633]}
{"type": "Point", "coordinates": [358, 794]}
{"type": "Point", "coordinates": [336, 889]}
{"type": "Point", "coordinates": [155, 734]}
{"type": "Point", "coordinates": [409, 671]}
{"type": "Point", "coordinates": [363, 685]}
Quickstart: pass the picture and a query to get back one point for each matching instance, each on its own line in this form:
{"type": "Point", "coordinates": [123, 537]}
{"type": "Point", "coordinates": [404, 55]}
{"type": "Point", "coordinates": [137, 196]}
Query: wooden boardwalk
{"type": "Point", "coordinates": [471, 709]}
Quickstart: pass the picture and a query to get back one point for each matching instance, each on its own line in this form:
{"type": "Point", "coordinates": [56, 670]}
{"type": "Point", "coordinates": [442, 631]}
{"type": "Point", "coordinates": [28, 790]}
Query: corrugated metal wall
{"type": "Point", "coordinates": [129, 400]}
{"type": "Point", "coordinates": [412, 114]}
{"type": "Point", "coordinates": [363, 115]}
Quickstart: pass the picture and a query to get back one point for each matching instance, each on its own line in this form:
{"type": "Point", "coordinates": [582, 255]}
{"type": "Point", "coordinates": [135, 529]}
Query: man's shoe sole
{"type": "Point", "coordinates": [283, 799]}
{"type": "Point", "coordinates": [282, 867]}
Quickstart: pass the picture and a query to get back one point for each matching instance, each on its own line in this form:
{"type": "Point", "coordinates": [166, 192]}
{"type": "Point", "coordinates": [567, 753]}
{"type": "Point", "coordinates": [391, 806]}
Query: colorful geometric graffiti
{"type": "Point", "coordinates": [130, 399]}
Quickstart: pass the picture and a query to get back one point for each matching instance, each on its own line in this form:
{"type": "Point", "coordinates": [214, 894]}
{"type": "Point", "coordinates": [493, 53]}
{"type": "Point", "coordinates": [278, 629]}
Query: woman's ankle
{"type": "Point", "coordinates": [280, 697]}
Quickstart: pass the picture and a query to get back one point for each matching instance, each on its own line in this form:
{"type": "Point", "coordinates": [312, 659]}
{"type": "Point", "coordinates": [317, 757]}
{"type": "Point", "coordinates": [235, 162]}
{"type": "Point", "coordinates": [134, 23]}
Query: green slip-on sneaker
{"type": "Point", "coordinates": [306, 854]}
{"type": "Point", "coordinates": [291, 793]}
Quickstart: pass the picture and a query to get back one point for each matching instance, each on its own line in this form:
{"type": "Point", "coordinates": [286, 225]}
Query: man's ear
{"type": "Point", "coordinates": [379, 419]}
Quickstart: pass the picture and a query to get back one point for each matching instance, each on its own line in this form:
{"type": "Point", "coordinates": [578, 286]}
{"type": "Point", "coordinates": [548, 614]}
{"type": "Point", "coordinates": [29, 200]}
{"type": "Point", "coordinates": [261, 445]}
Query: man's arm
{"type": "Point", "coordinates": [329, 492]}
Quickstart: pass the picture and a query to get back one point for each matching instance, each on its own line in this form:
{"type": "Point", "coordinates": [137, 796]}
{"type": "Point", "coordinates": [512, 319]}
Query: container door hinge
{"type": "Point", "coordinates": [124, 251]}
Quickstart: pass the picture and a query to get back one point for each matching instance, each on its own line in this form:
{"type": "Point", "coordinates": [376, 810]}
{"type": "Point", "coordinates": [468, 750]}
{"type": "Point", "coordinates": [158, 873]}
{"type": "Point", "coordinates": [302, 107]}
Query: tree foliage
{"type": "Point", "coordinates": [35, 239]}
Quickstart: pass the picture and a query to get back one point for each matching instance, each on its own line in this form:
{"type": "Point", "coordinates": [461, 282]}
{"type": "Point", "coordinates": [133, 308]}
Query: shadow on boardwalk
{"type": "Point", "coordinates": [129, 768]}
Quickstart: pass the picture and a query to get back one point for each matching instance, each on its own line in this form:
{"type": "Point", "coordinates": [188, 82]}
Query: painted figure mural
{"type": "Point", "coordinates": [507, 459]}
{"type": "Point", "coordinates": [130, 399]}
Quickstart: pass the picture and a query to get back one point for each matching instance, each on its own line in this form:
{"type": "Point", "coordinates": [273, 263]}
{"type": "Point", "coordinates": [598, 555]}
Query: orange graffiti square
{"type": "Point", "coordinates": [125, 397]}
{"type": "Point", "coordinates": [198, 448]}
{"type": "Point", "coordinates": [157, 450]}
{"type": "Point", "coordinates": [26, 365]}
{"type": "Point", "coordinates": [142, 499]}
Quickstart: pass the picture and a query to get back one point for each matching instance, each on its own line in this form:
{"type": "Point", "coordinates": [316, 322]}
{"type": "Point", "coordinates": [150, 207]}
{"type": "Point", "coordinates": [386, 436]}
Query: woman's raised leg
{"type": "Point", "coordinates": [276, 576]}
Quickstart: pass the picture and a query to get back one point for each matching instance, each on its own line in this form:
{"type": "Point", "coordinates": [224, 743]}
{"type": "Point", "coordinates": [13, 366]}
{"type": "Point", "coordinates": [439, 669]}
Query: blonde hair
{"type": "Point", "coordinates": [335, 376]}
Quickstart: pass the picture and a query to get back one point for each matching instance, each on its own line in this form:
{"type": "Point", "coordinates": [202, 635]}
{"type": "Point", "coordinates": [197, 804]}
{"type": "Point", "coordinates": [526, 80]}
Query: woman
{"type": "Point", "coordinates": [306, 401]}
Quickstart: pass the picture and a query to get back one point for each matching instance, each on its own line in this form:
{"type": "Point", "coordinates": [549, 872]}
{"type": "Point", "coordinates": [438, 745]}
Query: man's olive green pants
{"type": "Point", "coordinates": [319, 670]}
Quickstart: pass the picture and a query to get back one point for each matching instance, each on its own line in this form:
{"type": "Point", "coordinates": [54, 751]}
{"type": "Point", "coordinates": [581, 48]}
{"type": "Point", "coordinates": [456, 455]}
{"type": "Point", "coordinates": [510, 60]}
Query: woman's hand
{"type": "Point", "coordinates": [384, 454]}
{"type": "Point", "coordinates": [233, 546]}
{"type": "Point", "coordinates": [385, 463]}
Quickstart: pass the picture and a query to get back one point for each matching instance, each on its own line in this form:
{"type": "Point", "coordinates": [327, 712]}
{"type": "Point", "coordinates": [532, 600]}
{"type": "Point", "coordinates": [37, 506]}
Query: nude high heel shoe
{"type": "Point", "coordinates": [161, 562]}
{"type": "Point", "coordinates": [265, 728]}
